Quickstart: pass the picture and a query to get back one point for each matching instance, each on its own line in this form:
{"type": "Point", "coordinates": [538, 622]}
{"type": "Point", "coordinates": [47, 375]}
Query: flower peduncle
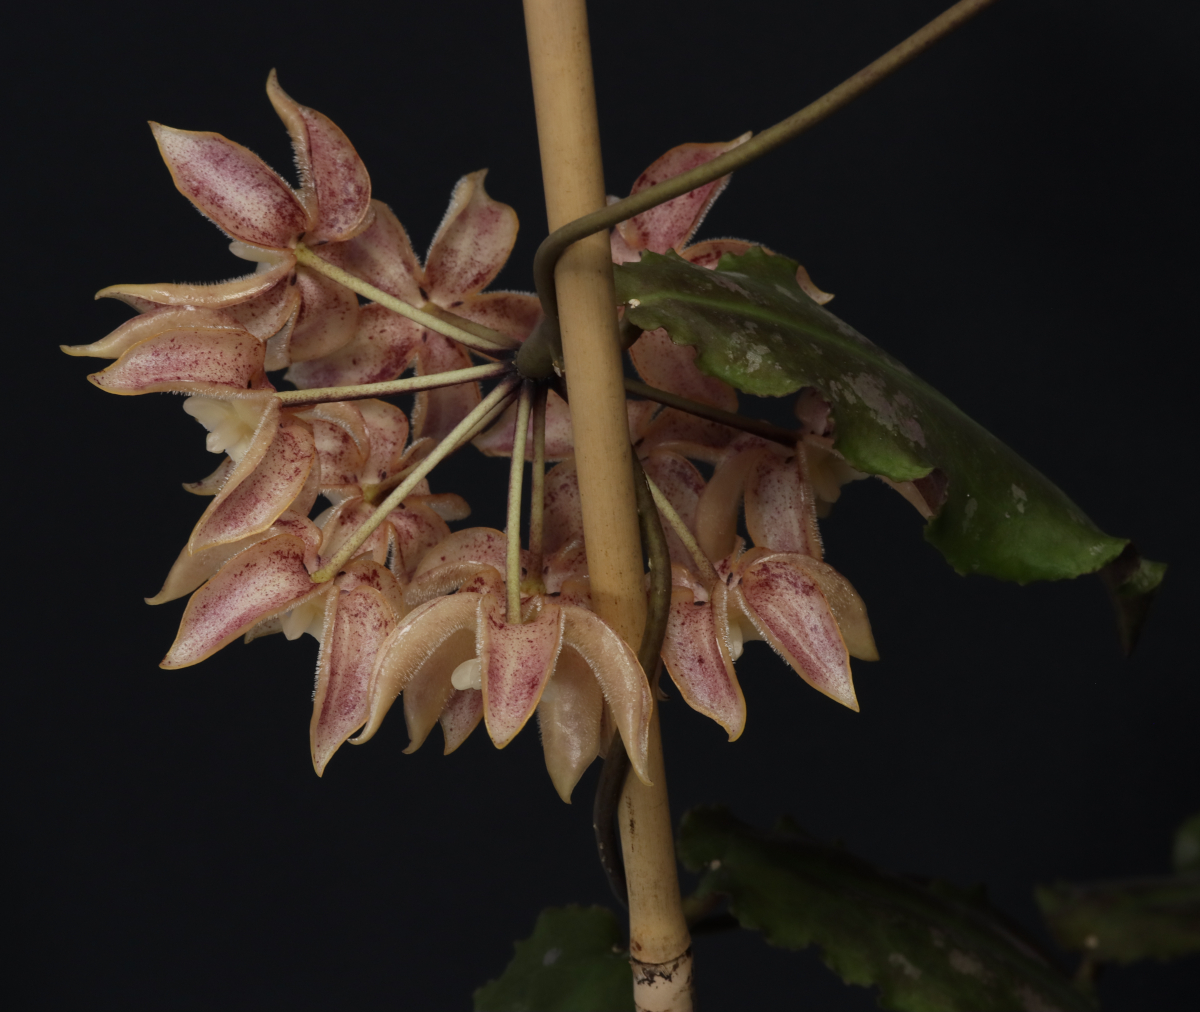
{"type": "Point", "coordinates": [516, 475]}
{"type": "Point", "coordinates": [320, 395]}
{"type": "Point", "coordinates": [480, 338]}
{"type": "Point", "coordinates": [705, 569]}
{"type": "Point", "coordinates": [456, 438]}
{"type": "Point", "coordinates": [537, 504]}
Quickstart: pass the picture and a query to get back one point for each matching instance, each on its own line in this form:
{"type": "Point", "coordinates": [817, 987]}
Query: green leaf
{"type": "Point", "coordinates": [755, 328]}
{"type": "Point", "coordinates": [1185, 854]}
{"type": "Point", "coordinates": [1124, 921]}
{"type": "Point", "coordinates": [927, 947]}
{"type": "Point", "coordinates": [575, 961]}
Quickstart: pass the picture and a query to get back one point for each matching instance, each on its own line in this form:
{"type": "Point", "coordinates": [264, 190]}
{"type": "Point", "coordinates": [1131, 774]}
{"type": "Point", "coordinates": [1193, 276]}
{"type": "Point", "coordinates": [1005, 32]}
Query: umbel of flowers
{"type": "Point", "coordinates": [320, 517]}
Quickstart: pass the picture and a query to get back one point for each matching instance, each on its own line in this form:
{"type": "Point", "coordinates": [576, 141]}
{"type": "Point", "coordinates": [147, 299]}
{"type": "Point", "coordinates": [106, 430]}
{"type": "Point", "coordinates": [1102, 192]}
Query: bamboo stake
{"type": "Point", "coordinates": [569, 139]}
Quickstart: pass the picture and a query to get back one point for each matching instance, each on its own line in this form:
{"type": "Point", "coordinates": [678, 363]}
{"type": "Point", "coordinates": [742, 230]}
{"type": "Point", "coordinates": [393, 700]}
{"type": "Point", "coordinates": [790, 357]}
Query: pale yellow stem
{"type": "Point", "coordinates": [457, 436]}
{"type": "Point", "coordinates": [516, 473]}
{"type": "Point", "coordinates": [537, 489]}
{"type": "Point", "coordinates": [319, 395]}
{"type": "Point", "coordinates": [490, 342]}
{"type": "Point", "coordinates": [569, 139]}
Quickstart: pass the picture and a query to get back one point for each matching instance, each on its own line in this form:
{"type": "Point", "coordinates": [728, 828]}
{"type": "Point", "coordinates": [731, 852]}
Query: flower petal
{"type": "Point", "coordinates": [471, 245]}
{"type": "Point", "coordinates": [784, 601]}
{"type": "Point", "coordinates": [329, 167]}
{"type": "Point", "coordinates": [156, 321]}
{"type": "Point", "coordinates": [262, 581]}
{"type": "Point", "coordinates": [418, 529]}
{"type": "Point", "coordinates": [190, 571]}
{"type": "Point", "coordinates": [212, 484]}
{"type": "Point", "coordinates": [682, 484]}
{"type": "Point", "coordinates": [328, 317]}
{"type": "Point", "coordinates": [250, 504]}
{"type": "Point", "coordinates": [436, 412]}
{"type": "Point", "coordinates": [460, 716]}
{"type": "Point", "coordinates": [688, 435]}
{"type": "Point", "coordinates": [498, 440]}
{"type": "Point", "coordinates": [621, 679]}
{"type": "Point", "coordinates": [217, 296]}
{"type": "Point", "coordinates": [382, 256]}
{"type": "Point", "coordinates": [669, 366]}
{"type": "Point", "coordinates": [356, 624]}
{"type": "Point", "coordinates": [781, 511]}
{"type": "Point", "coordinates": [516, 661]}
{"type": "Point", "coordinates": [670, 225]}
{"type": "Point", "coordinates": [563, 517]}
{"type": "Point", "coordinates": [387, 427]}
{"type": "Point", "coordinates": [702, 671]}
{"type": "Point", "coordinates": [341, 439]}
{"type": "Point", "coordinates": [342, 521]}
{"type": "Point", "coordinates": [511, 313]}
{"type": "Point", "coordinates": [718, 507]}
{"type": "Point", "coordinates": [417, 658]}
{"type": "Point", "coordinates": [382, 347]}
{"type": "Point", "coordinates": [232, 186]}
{"type": "Point", "coordinates": [197, 359]}
{"type": "Point", "coordinates": [569, 717]}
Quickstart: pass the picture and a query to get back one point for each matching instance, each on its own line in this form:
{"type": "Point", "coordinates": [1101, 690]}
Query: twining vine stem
{"type": "Point", "coordinates": [557, 242]}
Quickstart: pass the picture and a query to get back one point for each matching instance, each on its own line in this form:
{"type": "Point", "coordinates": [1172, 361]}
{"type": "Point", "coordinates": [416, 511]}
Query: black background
{"type": "Point", "coordinates": [1011, 216]}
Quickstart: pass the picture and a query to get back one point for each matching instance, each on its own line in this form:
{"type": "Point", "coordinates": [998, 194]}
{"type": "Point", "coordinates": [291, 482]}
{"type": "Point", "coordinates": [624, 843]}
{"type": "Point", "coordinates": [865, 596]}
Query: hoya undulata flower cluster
{"type": "Point", "coordinates": [320, 516]}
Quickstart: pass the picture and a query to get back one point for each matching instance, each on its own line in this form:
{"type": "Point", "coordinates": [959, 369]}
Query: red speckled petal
{"type": "Point", "coordinates": [511, 313]}
{"type": "Point", "coordinates": [621, 679]}
{"type": "Point", "coordinates": [196, 360]}
{"type": "Point", "coordinates": [150, 324]}
{"type": "Point", "coordinates": [669, 366]}
{"type": "Point", "coordinates": [671, 225]}
{"type": "Point", "coordinates": [569, 718]}
{"type": "Point", "coordinates": [460, 716]}
{"type": "Point", "coordinates": [383, 346]}
{"type": "Point", "coordinates": [498, 440]}
{"type": "Point", "coordinates": [471, 244]}
{"type": "Point", "coordinates": [456, 559]}
{"type": "Point", "coordinates": [267, 314]}
{"type": "Point", "coordinates": [418, 658]}
{"type": "Point", "coordinates": [515, 663]}
{"type": "Point", "coordinates": [418, 531]}
{"type": "Point", "coordinates": [387, 428]}
{"type": "Point", "coordinates": [342, 442]}
{"type": "Point", "coordinates": [218, 296]}
{"type": "Point", "coordinates": [708, 253]}
{"type": "Point", "coordinates": [682, 484]}
{"type": "Point", "coordinates": [781, 511]}
{"type": "Point", "coordinates": [232, 186]}
{"type": "Point", "coordinates": [264, 580]}
{"type": "Point", "coordinates": [563, 516]}
{"type": "Point", "coordinates": [328, 317]}
{"type": "Point", "coordinates": [214, 482]}
{"type": "Point", "coordinates": [383, 256]}
{"type": "Point", "coordinates": [698, 666]}
{"type": "Point", "coordinates": [346, 518]}
{"type": "Point", "coordinates": [256, 502]}
{"type": "Point", "coordinates": [329, 167]}
{"type": "Point", "coordinates": [369, 573]}
{"type": "Point", "coordinates": [360, 621]}
{"type": "Point", "coordinates": [785, 603]}
{"type": "Point", "coordinates": [270, 413]}
{"type": "Point", "coordinates": [436, 412]}
{"type": "Point", "coordinates": [190, 571]}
